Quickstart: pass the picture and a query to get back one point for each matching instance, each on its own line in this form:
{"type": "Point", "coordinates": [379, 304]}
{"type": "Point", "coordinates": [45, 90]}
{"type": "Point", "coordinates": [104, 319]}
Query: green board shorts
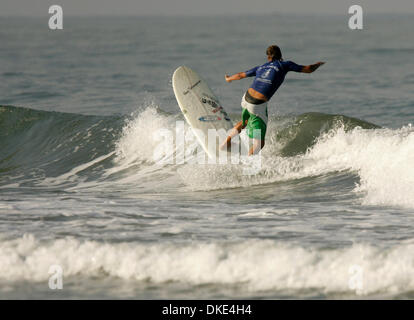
{"type": "Point", "coordinates": [254, 123]}
{"type": "Point", "coordinates": [256, 116]}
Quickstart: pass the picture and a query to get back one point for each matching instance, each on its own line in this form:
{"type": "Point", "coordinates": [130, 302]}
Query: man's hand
{"type": "Point", "coordinates": [311, 68]}
{"type": "Point", "coordinates": [237, 76]}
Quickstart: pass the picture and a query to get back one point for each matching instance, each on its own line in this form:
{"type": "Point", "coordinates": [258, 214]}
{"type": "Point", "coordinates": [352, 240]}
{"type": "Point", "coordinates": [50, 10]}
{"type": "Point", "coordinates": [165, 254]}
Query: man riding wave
{"type": "Point", "coordinates": [268, 78]}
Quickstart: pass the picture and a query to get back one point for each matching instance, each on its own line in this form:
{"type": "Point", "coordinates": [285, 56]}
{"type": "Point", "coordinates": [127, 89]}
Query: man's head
{"type": "Point", "coordinates": [273, 53]}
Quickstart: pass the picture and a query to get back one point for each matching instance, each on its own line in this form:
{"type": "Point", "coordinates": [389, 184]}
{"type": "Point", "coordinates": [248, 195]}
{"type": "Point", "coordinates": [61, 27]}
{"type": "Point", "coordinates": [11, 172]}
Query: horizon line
{"type": "Point", "coordinates": [179, 15]}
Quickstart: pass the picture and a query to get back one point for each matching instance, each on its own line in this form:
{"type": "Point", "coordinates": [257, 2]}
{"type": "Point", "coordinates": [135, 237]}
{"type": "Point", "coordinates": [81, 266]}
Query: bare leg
{"type": "Point", "coordinates": [257, 146]}
{"type": "Point", "coordinates": [234, 132]}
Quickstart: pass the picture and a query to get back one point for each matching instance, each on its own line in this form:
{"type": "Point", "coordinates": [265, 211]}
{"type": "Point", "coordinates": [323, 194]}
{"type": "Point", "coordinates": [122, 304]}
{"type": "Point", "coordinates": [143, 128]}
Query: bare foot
{"type": "Point", "coordinates": [224, 145]}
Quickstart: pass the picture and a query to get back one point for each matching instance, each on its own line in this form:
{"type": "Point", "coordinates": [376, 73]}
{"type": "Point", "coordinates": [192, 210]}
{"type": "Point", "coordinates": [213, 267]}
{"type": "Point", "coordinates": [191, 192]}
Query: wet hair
{"type": "Point", "coordinates": [274, 52]}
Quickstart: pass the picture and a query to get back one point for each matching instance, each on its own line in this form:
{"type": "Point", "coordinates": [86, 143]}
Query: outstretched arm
{"type": "Point", "coordinates": [312, 67]}
{"type": "Point", "coordinates": [237, 76]}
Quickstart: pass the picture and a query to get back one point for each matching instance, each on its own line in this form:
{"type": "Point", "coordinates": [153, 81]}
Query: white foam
{"type": "Point", "coordinates": [257, 265]}
{"type": "Point", "coordinates": [137, 143]}
{"type": "Point", "coordinates": [383, 158]}
{"type": "Point", "coordinates": [266, 212]}
{"type": "Point", "coordinates": [143, 140]}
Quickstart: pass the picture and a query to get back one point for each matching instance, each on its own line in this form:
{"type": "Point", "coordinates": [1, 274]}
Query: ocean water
{"type": "Point", "coordinates": [329, 215]}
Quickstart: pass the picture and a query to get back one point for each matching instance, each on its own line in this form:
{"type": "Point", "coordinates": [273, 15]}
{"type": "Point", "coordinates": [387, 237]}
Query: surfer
{"type": "Point", "coordinates": [268, 78]}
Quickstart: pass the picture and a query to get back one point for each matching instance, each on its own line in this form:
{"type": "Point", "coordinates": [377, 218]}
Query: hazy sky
{"type": "Point", "coordinates": [200, 7]}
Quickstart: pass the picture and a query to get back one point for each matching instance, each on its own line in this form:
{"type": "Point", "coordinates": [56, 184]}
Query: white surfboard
{"type": "Point", "coordinates": [201, 109]}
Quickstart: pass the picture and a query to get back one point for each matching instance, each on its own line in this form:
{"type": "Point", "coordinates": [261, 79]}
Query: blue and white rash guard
{"type": "Point", "coordinates": [270, 76]}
